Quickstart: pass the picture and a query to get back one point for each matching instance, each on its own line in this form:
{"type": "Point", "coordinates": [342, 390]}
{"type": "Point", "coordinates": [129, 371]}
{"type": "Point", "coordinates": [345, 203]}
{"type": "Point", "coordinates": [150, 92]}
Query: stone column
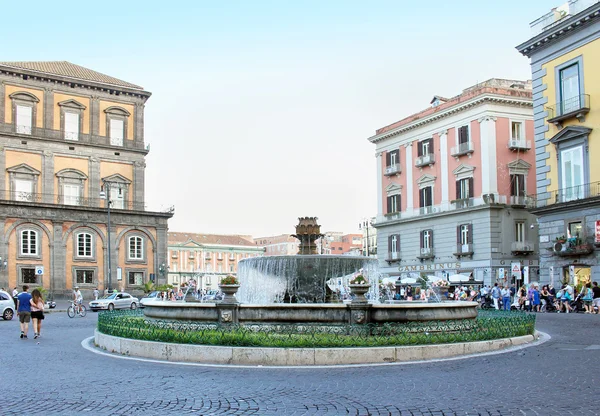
{"type": "Point", "coordinates": [95, 182]}
{"type": "Point", "coordinates": [139, 184]}
{"type": "Point", "coordinates": [48, 192]}
{"type": "Point", "coordinates": [138, 127]}
{"type": "Point", "coordinates": [48, 108]}
{"type": "Point", "coordinates": [444, 166]}
{"type": "Point", "coordinates": [2, 102]}
{"type": "Point", "coordinates": [3, 193]}
{"type": "Point", "coordinates": [489, 176]}
{"type": "Point", "coordinates": [58, 262]}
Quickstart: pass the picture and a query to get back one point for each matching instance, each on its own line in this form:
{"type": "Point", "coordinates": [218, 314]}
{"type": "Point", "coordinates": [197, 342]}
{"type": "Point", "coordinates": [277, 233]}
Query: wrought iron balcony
{"type": "Point", "coordinates": [464, 250]}
{"type": "Point", "coordinates": [392, 216]}
{"type": "Point", "coordinates": [393, 257]}
{"type": "Point", "coordinates": [393, 169]}
{"type": "Point", "coordinates": [39, 198]}
{"type": "Point", "coordinates": [425, 253]}
{"type": "Point", "coordinates": [425, 160]}
{"type": "Point", "coordinates": [462, 149]}
{"type": "Point", "coordinates": [464, 203]}
{"type": "Point", "coordinates": [518, 201]}
{"type": "Point", "coordinates": [519, 144]}
{"type": "Point", "coordinates": [521, 247]}
{"type": "Point", "coordinates": [574, 107]}
{"type": "Point", "coordinates": [573, 194]}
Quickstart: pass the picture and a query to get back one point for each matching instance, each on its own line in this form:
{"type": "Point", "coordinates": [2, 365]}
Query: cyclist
{"type": "Point", "coordinates": [77, 298]}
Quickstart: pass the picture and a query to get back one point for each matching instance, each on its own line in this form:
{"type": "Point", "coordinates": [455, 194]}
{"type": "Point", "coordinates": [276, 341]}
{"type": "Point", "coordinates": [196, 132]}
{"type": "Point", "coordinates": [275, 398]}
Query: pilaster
{"type": "Point", "coordinates": [138, 127]}
{"type": "Point", "coordinates": [3, 171]}
{"type": "Point", "coordinates": [409, 177]}
{"type": "Point", "coordinates": [4, 254]}
{"type": "Point", "coordinates": [48, 108]}
{"type": "Point", "coordinates": [489, 176]}
{"type": "Point", "coordinates": [2, 101]}
{"type": "Point", "coordinates": [139, 184]}
{"type": "Point", "coordinates": [58, 251]}
{"type": "Point", "coordinates": [379, 177]}
{"type": "Point", "coordinates": [94, 178]}
{"type": "Point", "coordinates": [48, 177]}
{"type": "Point", "coordinates": [95, 115]}
{"type": "Point", "coordinates": [444, 166]}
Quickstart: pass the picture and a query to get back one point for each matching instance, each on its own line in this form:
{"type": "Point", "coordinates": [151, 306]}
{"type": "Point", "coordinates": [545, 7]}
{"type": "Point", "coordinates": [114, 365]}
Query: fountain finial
{"type": "Point", "coordinates": [307, 231]}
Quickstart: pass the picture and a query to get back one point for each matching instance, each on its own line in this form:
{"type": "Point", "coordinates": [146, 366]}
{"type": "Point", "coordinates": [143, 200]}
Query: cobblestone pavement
{"type": "Point", "coordinates": [59, 377]}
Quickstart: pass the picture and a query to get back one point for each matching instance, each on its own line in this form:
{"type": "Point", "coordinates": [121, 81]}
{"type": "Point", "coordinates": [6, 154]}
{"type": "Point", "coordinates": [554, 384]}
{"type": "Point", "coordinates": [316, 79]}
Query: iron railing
{"type": "Point", "coordinates": [569, 106]}
{"type": "Point", "coordinates": [488, 325]}
{"type": "Point", "coordinates": [425, 160]}
{"type": "Point", "coordinates": [393, 169]}
{"type": "Point", "coordinates": [522, 246]}
{"type": "Point", "coordinates": [34, 197]}
{"type": "Point", "coordinates": [462, 149]}
{"type": "Point", "coordinates": [565, 195]}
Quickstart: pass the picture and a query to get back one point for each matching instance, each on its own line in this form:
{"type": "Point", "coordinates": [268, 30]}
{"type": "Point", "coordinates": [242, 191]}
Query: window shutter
{"type": "Point", "coordinates": [390, 243]}
{"type": "Point", "coordinates": [398, 243]}
{"type": "Point", "coordinates": [431, 239]}
{"type": "Point", "coordinates": [458, 195]}
{"type": "Point", "coordinates": [388, 159]}
{"type": "Point", "coordinates": [458, 235]}
{"type": "Point", "coordinates": [399, 203]}
{"type": "Point", "coordinates": [421, 238]}
{"type": "Point", "coordinates": [470, 187]}
{"type": "Point", "coordinates": [470, 234]}
{"type": "Point", "coordinates": [389, 204]}
{"type": "Point", "coordinates": [521, 185]}
{"type": "Point", "coordinates": [397, 156]}
{"type": "Point", "coordinates": [419, 149]}
{"type": "Point", "coordinates": [422, 197]}
{"type": "Point", "coordinates": [431, 148]}
{"type": "Point", "coordinates": [513, 188]}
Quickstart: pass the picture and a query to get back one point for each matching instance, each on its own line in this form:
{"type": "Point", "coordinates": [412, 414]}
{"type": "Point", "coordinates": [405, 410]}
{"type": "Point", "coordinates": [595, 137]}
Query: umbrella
{"type": "Point", "coordinates": [408, 281]}
{"type": "Point", "coordinates": [457, 278]}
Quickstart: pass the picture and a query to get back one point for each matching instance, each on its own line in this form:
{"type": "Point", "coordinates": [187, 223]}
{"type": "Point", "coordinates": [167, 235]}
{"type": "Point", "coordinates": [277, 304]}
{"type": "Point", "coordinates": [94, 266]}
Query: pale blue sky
{"type": "Point", "coordinates": [261, 109]}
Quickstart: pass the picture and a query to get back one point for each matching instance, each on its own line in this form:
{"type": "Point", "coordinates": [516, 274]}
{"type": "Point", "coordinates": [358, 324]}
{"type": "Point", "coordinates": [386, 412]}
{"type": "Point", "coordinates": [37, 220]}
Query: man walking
{"type": "Point", "coordinates": [496, 295]}
{"type": "Point", "coordinates": [596, 301]}
{"type": "Point", "coordinates": [24, 310]}
{"type": "Point", "coordinates": [506, 298]}
{"type": "Point", "coordinates": [96, 294]}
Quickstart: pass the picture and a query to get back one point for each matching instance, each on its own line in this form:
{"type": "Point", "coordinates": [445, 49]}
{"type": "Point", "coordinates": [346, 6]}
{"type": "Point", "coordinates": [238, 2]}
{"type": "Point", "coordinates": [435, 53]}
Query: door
{"type": "Point", "coordinates": [71, 194]}
{"type": "Point", "coordinates": [572, 174]}
{"type": "Point", "coordinates": [569, 89]}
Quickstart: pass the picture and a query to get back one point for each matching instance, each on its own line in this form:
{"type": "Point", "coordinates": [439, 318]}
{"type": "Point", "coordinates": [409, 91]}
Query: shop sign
{"type": "Point", "coordinates": [501, 273]}
{"type": "Point", "coordinates": [597, 231]}
{"type": "Point", "coordinates": [429, 267]}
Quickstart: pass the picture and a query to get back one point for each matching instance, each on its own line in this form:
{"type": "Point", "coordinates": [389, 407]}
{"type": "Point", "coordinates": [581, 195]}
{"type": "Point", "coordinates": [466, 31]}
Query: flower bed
{"type": "Point", "coordinates": [488, 325]}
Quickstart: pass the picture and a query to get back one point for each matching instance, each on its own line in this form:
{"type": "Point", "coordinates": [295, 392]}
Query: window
{"type": "Point", "coordinates": [425, 147]}
{"type": "Point", "coordinates": [463, 135]}
{"type": "Point", "coordinates": [392, 158]}
{"type": "Point", "coordinates": [393, 203]}
{"type": "Point", "coordinates": [135, 278]}
{"type": "Point", "coordinates": [24, 119]}
{"type": "Point", "coordinates": [23, 190]}
{"type": "Point", "coordinates": [116, 132]}
{"type": "Point", "coordinates": [520, 231]}
{"type": "Point", "coordinates": [574, 230]}
{"type": "Point", "coordinates": [84, 277]}
{"type": "Point", "coordinates": [136, 248]}
{"type": "Point", "coordinates": [230, 269]}
{"type": "Point", "coordinates": [29, 240]}
{"type": "Point", "coordinates": [71, 194]}
{"type": "Point", "coordinates": [426, 197]}
{"type": "Point", "coordinates": [71, 126]}
{"type": "Point", "coordinates": [516, 130]}
{"type": "Point", "coordinates": [28, 276]}
{"type": "Point", "coordinates": [117, 198]}
{"type": "Point", "coordinates": [427, 239]}
{"type": "Point", "coordinates": [220, 267]}
{"type": "Point", "coordinates": [573, 175]}
{"type": "Point", "coordinates": [71, 184]}
{"type": "Point", "coordinates": [84, 245]}
{"type": "Point", "coordinates": [517, 185]}
{"type": "Point", "coordinates": [569, 89]}
{"type": "Point", "coordinates": [394, 245]}
{"type": "Point", "coordinates": [464, 233]}
{"type": "Point", "coordinates": [464, 188]}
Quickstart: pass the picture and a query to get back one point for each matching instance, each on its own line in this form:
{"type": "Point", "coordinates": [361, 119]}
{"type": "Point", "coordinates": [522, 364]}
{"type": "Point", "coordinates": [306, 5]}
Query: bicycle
{"type": "Point", "coordinates": [72, 310]}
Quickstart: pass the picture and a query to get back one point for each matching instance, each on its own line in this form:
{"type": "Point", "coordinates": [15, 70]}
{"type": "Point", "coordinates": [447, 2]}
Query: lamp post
{"type": "Point", "coordinates": [105, 194]}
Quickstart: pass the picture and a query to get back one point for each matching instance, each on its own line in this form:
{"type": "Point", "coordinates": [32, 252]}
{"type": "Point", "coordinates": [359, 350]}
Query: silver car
{"type": "Point", "coordinates": [120, 300]}
{"type": "Point", "coordinates": [7, 306]}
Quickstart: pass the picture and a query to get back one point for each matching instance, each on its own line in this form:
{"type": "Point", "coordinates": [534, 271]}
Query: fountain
{"type": "Point", "coordinates": [304, 278]}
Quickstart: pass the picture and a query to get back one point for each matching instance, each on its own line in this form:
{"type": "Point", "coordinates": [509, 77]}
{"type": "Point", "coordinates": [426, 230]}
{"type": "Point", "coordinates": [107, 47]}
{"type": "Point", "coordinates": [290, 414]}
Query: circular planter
{"type": "Point", "coordinates": [359, 290]}
{"type": "Point", "coordinates": [229, 291]}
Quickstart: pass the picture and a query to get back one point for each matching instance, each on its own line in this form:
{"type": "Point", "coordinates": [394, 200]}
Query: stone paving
{"type": "Point", "coordinates": [59, 377]}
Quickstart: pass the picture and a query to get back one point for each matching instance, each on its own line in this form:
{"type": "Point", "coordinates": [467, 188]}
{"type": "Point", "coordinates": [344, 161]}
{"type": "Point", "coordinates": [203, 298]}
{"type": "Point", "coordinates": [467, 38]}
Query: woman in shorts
{"type": "Point", "coordinates": [37, 312]}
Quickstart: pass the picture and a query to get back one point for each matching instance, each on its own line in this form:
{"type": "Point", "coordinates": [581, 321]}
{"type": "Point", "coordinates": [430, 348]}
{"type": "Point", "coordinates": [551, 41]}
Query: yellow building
{"type": "Point", "coordinates": [68, 137]}
{"type": "Point", "coordinates": [565, 62]}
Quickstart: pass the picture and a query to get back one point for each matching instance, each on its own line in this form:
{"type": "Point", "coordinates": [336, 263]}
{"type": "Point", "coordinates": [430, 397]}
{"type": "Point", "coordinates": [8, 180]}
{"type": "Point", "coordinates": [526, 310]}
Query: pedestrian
{"type": "Point", "coordinates": [15, 292]}
{"type": "Point", "coordinates": [496, 293]}
{"type": "Point", "coordinates": [536, 299]}
{"type": "Point", "coordinates": [96, 294]}
{"type": "Point", "coordinates": [506, 298]}
{"type": "Point", "coordinates": [588, 296]}
{"type": "Point", "coordinates": [596, 301]}
{"type": "Point", "coordinates": [37, 312]}
{"type": "Point", "coordinates": [24, 310]}
{"type": "Point", "coordinates": [409, 295]}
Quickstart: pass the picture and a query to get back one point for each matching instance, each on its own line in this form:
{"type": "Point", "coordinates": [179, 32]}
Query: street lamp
{"type": "Point", "coordinates": [163, 269]}
{"type": "Point", "coordinates": [105, 194]}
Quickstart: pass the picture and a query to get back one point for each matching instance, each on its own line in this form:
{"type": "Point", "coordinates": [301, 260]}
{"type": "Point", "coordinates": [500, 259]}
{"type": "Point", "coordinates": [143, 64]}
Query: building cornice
{"type": "Point", "coordinates": [482, 99]}
{"type": "Point", "coordinates": [585, 18]}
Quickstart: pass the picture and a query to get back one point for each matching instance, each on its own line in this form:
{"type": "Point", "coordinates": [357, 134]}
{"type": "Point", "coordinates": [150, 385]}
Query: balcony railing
{"type": "Point", "coordinates": [487, 199]}
{"type": "Point", "coordinates": [393, 256]}
{"type": "Point", "coordinates": [462, 149]}
{"type": "Point", "coordinates": [425, 253]}
{"type": "Point", "coordinates": [519, 201]}
{"type": "Point", "coordinates": [464, 203]}
{"type": "Point", "coordinates": [574, 107]}
{"type": "Point", "coordinates": [464, 250]}
{"type": "Point", "coordinates": [33, 197]}
{"type": "Point", "coordinates": [428, 159]}
{"type": "Point", "coordinates": [565, 195]}
{"type": "Point", "coordinates": [521, 247]}
{"type": "Point", "coordinates": [71, 138]}
{"type": "Point", "coordinates": [519, 144]}
{"type": "Point", "coordinates": [393, 169]}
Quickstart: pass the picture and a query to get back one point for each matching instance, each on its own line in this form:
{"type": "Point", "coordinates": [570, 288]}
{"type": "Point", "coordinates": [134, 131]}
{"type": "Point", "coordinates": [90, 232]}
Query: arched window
{"type": "Point", "coordinates": [84, 245]}
{"type": "Point", "coordinates": [136, 248]}
{"type": "Point", "coordinates": [29, 243]}
{"type": "Point", "coordinates": [24, 111]}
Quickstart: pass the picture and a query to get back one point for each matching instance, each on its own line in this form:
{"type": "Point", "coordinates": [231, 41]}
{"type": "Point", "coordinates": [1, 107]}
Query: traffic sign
{"type": "Point", "coordinates": [39, 270]}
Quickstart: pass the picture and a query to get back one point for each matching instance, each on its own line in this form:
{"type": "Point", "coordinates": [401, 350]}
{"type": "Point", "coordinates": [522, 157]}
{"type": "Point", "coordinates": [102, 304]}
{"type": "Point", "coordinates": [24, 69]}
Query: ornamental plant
{"type": "Point", "coordinates": [230, 280]}
{"type": "Point", "coordinates": [359, 280]}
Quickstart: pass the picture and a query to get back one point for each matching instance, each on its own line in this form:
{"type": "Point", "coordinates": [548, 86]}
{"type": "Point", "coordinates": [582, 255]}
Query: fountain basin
{"type": "Point", "coordinates": [325, 313]}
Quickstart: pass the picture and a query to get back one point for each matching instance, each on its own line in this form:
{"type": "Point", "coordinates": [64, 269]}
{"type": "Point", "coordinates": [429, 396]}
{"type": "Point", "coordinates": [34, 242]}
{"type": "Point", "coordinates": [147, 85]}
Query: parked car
{"type": "Point", "coordinates": [212, 295]}
{"type": "Point", "coordinates": [149, 297]}
{"type": "Point", "coordinates": [7, 306]}
{"type": "Point", "coordinates": [120, 300]}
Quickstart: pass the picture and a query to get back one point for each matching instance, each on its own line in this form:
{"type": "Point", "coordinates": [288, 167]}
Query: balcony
{"type": "Point", "coordinates": [38, 198]}
{"type": "Point", "coordinates": [392, 216]}
{"type": "Point", "coordinates": [574, 250]}
{"type": "Point", "coordinates": [574, 195]}
{"type": "Point", "coordinates": [174, 255]}
{"type": "Point", "coordinates": [464, 250]}
{"type": "Point", "coordinates": [575, 107]}
{"type": "Point", "coordinates": [464, 203]}
{"type": "Point", "coordinates": [521, 247]}
{"type": "Point", "coordinates": [393, 169]}
{"type": "Point", "coordinates": [393, 257]}
{"type": "Point", "coordinates": [425, 160]}
{"type": "Point", "coordinates": [518, 201]}
{"type": "Point", "coordinates": [425, 253]}
{"type": "Point", "coordinates": [28, 132]}
{"type": "Point", "coordinates": [519, 144]}
{"type": "Point", "coordinates": [462, 149]}
{"type": "Point", "coordinates": [430, 209]}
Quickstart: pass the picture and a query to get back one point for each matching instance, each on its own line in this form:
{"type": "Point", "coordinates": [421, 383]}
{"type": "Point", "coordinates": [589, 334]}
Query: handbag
{"type": "Point", "coordinates": [527, 302]}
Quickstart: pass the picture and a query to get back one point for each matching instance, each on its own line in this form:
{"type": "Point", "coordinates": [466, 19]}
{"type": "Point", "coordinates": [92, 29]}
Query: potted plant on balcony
{"type": "Point", "coordinates": [229, 285]}
{"type": "Point", "coordinates": [562, 239]}
{"type": "Point", "coordinates": [359, 285]}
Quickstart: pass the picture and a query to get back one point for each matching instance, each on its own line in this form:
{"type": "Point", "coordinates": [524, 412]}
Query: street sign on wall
{"type": "Point", "coordinates": [39, 270]}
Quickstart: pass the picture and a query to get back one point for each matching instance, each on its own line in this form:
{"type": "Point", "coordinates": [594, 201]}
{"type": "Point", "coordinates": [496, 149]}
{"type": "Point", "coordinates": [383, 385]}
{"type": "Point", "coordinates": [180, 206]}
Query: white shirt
{"type": "Point", "coordinates": [78, 295]}
{"type": "Point", "coordinates": [15, 293]}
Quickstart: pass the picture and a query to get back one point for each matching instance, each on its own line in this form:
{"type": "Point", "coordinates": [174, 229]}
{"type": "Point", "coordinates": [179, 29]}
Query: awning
{"type": "Point", "coordinates": [458, 278]}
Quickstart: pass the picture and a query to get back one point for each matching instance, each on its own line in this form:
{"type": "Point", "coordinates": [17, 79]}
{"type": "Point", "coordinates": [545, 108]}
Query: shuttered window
{"type": "Point", "coordinates": [71, 126]}
{"type": "Point", "coordinates": [463, 135]}
{"type": "Point", "coordinates": [517, 185]}
{"type": "Point", "coordinates": [24, 119]}
{"type": "Point", "coordinates": [116, 132]}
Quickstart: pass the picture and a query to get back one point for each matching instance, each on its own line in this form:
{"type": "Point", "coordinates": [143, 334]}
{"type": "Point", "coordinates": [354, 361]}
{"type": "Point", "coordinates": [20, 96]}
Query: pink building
{"type": "Point", "coordinates": [279, 245]}
{"type": "Point", "coordinates": [452, 181]}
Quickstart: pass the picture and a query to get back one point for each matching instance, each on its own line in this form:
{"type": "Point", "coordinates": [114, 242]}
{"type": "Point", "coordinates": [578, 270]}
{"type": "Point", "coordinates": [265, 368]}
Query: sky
{"type": "Point", "coordinates": [261, 110]}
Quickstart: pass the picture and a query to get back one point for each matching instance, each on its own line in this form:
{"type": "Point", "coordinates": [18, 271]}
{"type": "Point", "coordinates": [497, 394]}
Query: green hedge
{"type": "Point", "coordinates": [488, 325]}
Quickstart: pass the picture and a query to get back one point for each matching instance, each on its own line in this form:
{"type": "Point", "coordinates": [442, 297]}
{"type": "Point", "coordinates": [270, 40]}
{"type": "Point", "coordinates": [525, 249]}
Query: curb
{"type": "Point", "coordinates": [300, 357]}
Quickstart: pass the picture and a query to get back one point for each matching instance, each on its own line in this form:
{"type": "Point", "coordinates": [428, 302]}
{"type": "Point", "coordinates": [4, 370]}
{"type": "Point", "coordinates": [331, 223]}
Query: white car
{"type": "Point", "coordinates": [7, 306]}
{"type": "Point", "coordinates": [120, 300]}
{"type": "Point", "coordinates": [149, 298]}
